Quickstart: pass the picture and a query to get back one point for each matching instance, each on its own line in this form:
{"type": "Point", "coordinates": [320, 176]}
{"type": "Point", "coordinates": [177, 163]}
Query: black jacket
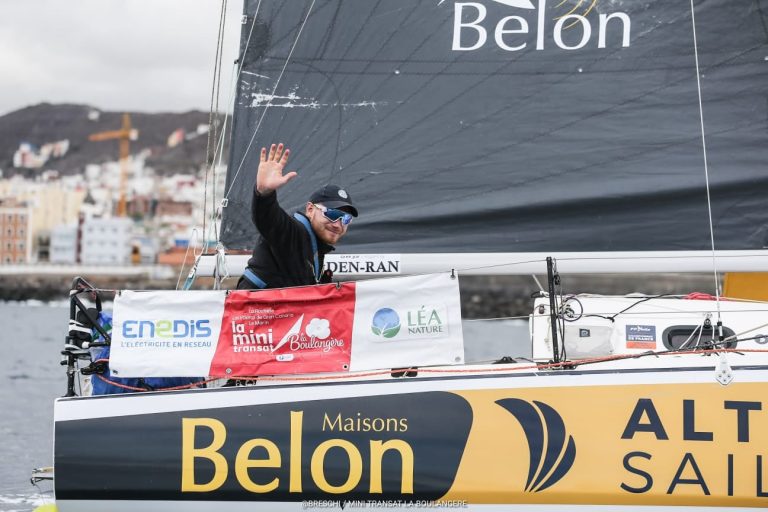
{"type": "Point", "coordinates": [283, 254]}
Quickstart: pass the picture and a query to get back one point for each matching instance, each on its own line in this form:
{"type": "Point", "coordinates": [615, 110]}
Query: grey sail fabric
{"type": "Point", "coordinates": [510, 125]}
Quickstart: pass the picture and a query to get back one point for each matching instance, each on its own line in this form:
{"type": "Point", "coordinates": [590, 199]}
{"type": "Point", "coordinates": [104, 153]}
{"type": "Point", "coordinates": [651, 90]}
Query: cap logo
{"type": "Point", "coordinates": [343, 193]}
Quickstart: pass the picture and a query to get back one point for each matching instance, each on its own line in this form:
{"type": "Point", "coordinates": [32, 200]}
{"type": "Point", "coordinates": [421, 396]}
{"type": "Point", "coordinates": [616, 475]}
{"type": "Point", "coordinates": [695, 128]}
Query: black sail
{"type": "Point", "coordinates": [510, 125]}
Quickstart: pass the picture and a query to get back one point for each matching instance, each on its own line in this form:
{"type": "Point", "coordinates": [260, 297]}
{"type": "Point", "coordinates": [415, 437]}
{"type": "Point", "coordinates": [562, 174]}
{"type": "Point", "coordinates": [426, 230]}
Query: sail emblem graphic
{"type": "Point", "coordinates": [551, 455]}
{"type": "Point", "coordinates": [293, 331]}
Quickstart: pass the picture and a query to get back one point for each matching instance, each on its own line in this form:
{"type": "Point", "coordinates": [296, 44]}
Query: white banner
{"type": "Point", "coordinates": [378, 324]}
{"type": "Point", "coordinates": [165, 333]}
{"type": "Point", "coordinates": [407, 321]}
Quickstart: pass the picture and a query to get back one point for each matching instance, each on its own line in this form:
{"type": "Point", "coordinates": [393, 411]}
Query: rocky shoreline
{"type": "Point", "coordinates": [481, 297]}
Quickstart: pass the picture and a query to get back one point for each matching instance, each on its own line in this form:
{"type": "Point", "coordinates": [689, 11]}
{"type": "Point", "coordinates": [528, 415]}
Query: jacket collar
{"type": "Point", "coordinates": [322, 247]}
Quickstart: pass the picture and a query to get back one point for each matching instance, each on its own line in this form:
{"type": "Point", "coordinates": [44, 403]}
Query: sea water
{"type": "Point", "coordinates": [31, 338]}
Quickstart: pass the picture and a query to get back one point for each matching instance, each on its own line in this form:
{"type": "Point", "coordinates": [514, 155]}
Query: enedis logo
{"type": "Point", "coordinates": [167, 328]}
{"type": "Point", "coordinates": [421, 321]}
{"type": "Point", "coordinates": [572, 30]}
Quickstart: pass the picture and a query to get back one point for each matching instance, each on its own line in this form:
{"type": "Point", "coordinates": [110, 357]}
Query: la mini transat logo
{"type": "Point", "coordinates": [315, 335]}
{"type": "Point", "coordinates": [510, 25]}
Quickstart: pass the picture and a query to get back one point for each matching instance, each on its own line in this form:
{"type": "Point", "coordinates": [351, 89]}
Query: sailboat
{"type": "Point", "coordinates": [485, 137]}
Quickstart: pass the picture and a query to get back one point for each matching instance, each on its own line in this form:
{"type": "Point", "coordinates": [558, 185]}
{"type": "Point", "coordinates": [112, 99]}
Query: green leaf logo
{"type": "Point", "coordinates": [391, 332]}
{"type": "Point", "coordinates": [385, 323]}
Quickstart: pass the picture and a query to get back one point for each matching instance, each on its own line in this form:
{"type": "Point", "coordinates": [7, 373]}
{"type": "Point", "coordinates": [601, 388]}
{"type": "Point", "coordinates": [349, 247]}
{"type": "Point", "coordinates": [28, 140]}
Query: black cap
{"type": "Point", "coordinates": [333, 196]}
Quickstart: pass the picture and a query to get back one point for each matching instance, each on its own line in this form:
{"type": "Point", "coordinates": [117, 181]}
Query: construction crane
{"type": "Point", "coordinates": [125, 135]}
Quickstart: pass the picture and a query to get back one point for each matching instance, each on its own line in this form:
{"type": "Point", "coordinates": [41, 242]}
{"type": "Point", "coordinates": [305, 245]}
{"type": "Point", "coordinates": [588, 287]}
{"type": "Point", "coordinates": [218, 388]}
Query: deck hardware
{"type": "Point", "coordinates": [723, 371]}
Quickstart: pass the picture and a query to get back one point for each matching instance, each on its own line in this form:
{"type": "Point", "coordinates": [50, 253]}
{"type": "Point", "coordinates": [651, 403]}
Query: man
{"type": "Point", "coordinates": [291, 248]}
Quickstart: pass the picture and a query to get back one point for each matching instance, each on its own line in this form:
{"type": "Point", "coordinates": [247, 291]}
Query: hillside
{"type": "Point", "coordinates": [44, 123]}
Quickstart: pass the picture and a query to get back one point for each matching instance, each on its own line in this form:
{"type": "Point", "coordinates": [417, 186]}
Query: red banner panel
{"type": "Point", "coordinates": [286, 331]}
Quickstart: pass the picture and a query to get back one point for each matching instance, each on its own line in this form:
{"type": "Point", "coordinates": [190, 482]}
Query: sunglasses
{"type": "Point", "coordinates": [332, 214]}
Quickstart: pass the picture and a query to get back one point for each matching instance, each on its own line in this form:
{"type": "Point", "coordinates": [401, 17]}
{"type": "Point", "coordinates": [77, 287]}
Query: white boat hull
{"type": "Point", "coordinates": [648, 433]}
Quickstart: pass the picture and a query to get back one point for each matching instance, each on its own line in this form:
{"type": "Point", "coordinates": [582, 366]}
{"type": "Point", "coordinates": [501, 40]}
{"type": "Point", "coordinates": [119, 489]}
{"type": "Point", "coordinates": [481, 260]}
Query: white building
{"type": "Point", "coordinates": [30, 157]}
{"type": "Point", "coordinates": [52, 202]}
{"type": "Point", "coordinates": [63, 247]}
{"type": "Point", "coordinates": [106, 241]}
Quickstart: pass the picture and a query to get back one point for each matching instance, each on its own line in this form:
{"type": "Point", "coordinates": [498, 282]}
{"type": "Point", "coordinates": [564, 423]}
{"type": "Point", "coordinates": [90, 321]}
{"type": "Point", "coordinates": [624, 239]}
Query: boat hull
{"type": "Point", "coordinates": [490, 438]}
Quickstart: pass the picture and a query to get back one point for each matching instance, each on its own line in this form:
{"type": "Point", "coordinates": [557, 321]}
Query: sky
{"type": "Point", "coordinates": [118, 55]}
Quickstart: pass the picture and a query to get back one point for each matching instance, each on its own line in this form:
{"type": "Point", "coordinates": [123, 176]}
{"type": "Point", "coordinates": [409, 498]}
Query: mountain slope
{"type": "Point", "coordinates": [43, 123]}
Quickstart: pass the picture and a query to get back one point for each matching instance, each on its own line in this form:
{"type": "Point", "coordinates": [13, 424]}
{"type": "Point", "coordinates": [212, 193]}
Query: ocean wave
{"type": "Point", "coordinates": [32, 500]}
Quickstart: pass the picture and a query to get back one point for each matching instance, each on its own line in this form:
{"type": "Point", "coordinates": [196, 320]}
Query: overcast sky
{"type": "Point", "coordinates": [137, 55]}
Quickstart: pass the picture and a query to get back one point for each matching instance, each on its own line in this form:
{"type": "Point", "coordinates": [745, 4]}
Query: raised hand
{"type": "Point", "coordinates": [269, 176]}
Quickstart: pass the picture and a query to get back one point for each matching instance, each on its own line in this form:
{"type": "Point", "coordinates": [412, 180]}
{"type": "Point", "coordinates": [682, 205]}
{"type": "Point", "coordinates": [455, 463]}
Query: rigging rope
{"type": "Point", "coordinates": [186, 253]}
{"type": "Point", "coordinates": [269, 102]}
{"type": "Point", "coordinates": [219, 150]}
{"type": "Point", "coordinates": [212, 135]}
{"type": "Point", "coordinates": [211, 161]}
{"type": "Point", "coordinates": [565, 365]}
{"type": "Point", "coordinates": [706, 167]}
{"type": "Point", "coordinates": [214, 110]}
{"type": "Point", "coordinates": [605, 314]}
{"type": "Point", "coordinates": [240, 64]}
{"type": "Point", "coordinates": [216, 161]}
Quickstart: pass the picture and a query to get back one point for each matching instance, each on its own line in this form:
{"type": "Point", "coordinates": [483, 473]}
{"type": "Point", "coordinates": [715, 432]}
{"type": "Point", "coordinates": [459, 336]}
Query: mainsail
{"type": "Point", "coordinates": [510, 125]}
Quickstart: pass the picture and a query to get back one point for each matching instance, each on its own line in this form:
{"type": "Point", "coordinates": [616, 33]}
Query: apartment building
{"type": "Point", "coordinates": [63, 248]}
{"type": "Point", "coordinates": [15, 233]}
{"type": "Point", "coordinates": [106, 241]}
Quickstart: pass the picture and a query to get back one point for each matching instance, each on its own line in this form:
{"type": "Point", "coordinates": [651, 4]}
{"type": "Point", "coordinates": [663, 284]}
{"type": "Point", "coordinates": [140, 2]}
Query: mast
{"type": "Point", "coordinates": [552, 280]}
